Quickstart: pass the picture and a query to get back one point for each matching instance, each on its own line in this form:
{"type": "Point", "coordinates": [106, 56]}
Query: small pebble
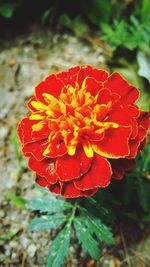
{"type": "Point", "coordinates": [13, 255]}
{"type": "Point", "coordinates": [13, 244]}
{"type": "Point", "coordinates": [31, 250]}
{"type": "Point", "coordinates": [24, 242]}
{"type": "Point", "coordinates": [2, 213]}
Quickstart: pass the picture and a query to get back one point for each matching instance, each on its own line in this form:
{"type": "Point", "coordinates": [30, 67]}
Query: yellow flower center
{"type": "Point", "coordinates": [75, 117]}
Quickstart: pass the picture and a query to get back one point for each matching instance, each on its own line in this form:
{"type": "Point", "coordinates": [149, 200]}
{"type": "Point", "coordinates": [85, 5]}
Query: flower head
{"type": "Point", "coordinates": [83, 129]}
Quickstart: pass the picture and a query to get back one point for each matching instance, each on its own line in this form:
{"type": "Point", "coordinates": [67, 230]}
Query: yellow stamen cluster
{"type": "Point", "coordinates": [75, 117]}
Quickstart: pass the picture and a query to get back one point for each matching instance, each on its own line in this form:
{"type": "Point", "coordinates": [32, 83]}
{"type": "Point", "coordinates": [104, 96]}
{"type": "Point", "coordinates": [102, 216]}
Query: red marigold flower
{"type": "Point", "coordinates": [83, 129]}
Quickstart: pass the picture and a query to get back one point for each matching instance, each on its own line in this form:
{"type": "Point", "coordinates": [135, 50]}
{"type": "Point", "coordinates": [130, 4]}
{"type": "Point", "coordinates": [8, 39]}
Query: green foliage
{"type": "Point", "coordinates": [97, 11]}
{"type": "Point", "coordinates": [122, 23]}
{"type": "Point", "coordinates": [50, 205]}
{"type": "Point", "coordinates": [9, 235]}
{"type": "Point", "coordinates": [7, 9]}
{"type": "Point", "coordinates": [15, 142]}
{"type": "Point", "coordinates": [17, 200]}
{"type": "Point", "coordinates": [145, 10]}
{"type": "Point", "coordinates": [46, 15]}
{"type": "Point", "coordinates": [144, 65]}
{"type": "Point", "coordinates": [142, 193]}
{"type": "Point", "coordinates": [17, 150]}
{"type": "Point", "coordinates": [47, 222]}
{"type": "Point", "coordinates": [98, 228]}
{"type": "Point", "coordinates": [131, 35]}
{"type": "Point", "coordinates": [106, 214]}
{"type": "Point", "coordinates": [59, 247]}
{"type": "Point", "coordinates": [135, 185]}
{"type": "Point", "coordinates": [135, 189]}
{"type": "Point", "coordinates": [77, 25]}
{"type": "Point", "coordinates": [85, 237]}
{"type": "Point", "coordinates": [143, 163]}
{"type": "Point", "coordinates": [146, 218]}
{"type": "Point", "coordinates": [89, 227]}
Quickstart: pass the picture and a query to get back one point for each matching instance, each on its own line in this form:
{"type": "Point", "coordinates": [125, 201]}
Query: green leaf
{"type": "Point", "coordinates": [65, 20]}
{"type": "Point", "coordinates": [97, 210]}
{"type": "Point", "coordinates": [130, 34]}
{"type": "Point", "coordinates": [46, 222]}
{"type": "Point", "coordinates": [132, 216]}
{"type": "Point", "coordinates": [107, 29]}
{"type": "Point", "coordinates": [15, 142]}
{"type": "Point", "coordinates": [50, 205]}
{"type": "Point", "coordinates": [145, 10]}
{"type": "Point", "coordinates": [7, 9]}
{"type": "Point", "coordinates": [59, 247]}
{"type": "Point", "coordinates": [17, 200]}
{"type": "Point", "coordinates": [46, 15]}
{"type": "Point", "coordinates": [129, 189]}
{"type": "Point", "coordinates": [96, 226]}
{"type": "Point", "coordinates": [146, 159]}
{"type": "Point", "coordinates": [97, 10]}
{"type": "Point", "coordinates": [144, 65]}
{"type": "Point", "coordinates": [85, 237]}
{"type": "Point", "coordinates": [77, 25]}
{"type": "Point", "coordinates": [142, 193]}
{"type": "Point", "coordinates": [9, 235]}
{"type": "Point", "coordinates": [146, 218]}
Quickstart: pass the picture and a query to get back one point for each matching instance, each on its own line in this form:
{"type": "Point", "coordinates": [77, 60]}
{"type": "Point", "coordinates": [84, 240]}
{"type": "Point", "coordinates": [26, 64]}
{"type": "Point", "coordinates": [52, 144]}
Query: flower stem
{"type": "Point", "coordinates": [73, 212]}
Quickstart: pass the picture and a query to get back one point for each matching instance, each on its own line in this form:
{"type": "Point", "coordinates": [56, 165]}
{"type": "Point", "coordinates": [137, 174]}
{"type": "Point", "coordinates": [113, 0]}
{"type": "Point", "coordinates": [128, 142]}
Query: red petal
{"type": "Point", "coordinates": [73, 72]}
{"type": "Point", "coordinates": [144, 119]}
{"type": "Point", "coordinates": [142, 146]}
{"type": "Point", "coordinates": [99, 75]}
{"type": "Point", "coordinates": [41, 134]}
{"type": "Point", "coordinates": [29, 104]}
{"type": "Point", "coordinates": [55, 188]}
{"type": "Point", "coordinates": [69, 77]}
{"type": "Point", "coordinates": [72, 167]}
{"type": "Point", "coordinates": [125, 116]}
{"type": "Point", "coordinates": [70, 191]}
{"type": "Point", "coordinates": [51, 85]}
{"type": "Point", "coordinates": [85, 163]}
{"type": "Point", "coordinates": [96, 136]}
{"type": "Point", "coordinates": [68, 168]}
{"type": "Point", "coordinates": [135, 143]}
{"type": "Point", "coordinates": [117, 84]}
{"type": "Point", "coordinates": [105, 95]}
{"type": "Point", "coordinates": [25, 130]}
{"type": "Point", "coordinates": [41, 181]}
{"type": "Point", "coordinates": [44, 168]}
{"type": "Point", "coordinates": [20, 133]}
{"type": "Point", "coordinates": [57, 148]}
{"type": "Point", "coordinates": [89, 193]}
{"type": "Point", "coordinates": [85, 71]}
{"type": "Point", "coordinates": [36, 149]}
{"type": "Point", "coordinates": [115, 143]}
{"type": "Point", "coordinates": [101, 111]}
{"type": "Point", "coordinates": [92, 86]}
{"type": "Point", "coordinates": [88, 71]}
{"type": "Point", "coordinates": [119, 167]}
{"type": "Point", "coordinates": [98, 176]}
